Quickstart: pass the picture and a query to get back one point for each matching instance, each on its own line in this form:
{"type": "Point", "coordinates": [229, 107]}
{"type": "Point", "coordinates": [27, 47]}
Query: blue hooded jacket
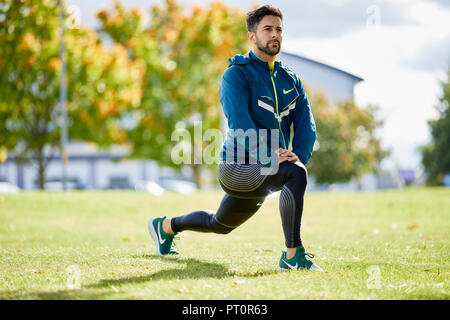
{"type": "Point", "coordinates": [255, 97]}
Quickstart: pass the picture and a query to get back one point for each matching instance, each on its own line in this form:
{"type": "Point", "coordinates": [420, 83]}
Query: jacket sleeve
{"type": "Point", "coordinates": [304, 126]}
{"type": "Point", "coordinates": [234, 97]}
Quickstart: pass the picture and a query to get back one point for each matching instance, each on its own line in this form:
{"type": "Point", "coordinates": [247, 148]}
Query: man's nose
{"type": "Point", "coordinates": [276, 35]}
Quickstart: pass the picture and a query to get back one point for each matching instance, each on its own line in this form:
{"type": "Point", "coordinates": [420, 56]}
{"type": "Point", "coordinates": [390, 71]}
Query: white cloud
{"type": "Point", "coordinates": [406, 95]}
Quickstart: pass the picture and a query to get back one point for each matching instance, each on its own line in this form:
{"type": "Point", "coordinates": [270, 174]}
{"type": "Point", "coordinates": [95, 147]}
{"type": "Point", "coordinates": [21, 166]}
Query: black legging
{"type": "Point", "coordinates": [246, 189]}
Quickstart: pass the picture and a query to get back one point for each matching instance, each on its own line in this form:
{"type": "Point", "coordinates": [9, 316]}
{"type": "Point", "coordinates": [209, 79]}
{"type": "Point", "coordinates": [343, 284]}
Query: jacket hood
{"type": "Point", "coordinates": [250, 57]}
{"type": "Point", "coordinates": [240, 59]}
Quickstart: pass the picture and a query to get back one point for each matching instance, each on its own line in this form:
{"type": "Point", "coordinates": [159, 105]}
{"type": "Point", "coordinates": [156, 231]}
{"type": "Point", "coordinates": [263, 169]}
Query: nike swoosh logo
{"type": "Point", "coordinates": [286, 92]}
{"type": "Point", "coordinates": [291, 266]}
{"type": "Point", "coordinates": [159, 235]}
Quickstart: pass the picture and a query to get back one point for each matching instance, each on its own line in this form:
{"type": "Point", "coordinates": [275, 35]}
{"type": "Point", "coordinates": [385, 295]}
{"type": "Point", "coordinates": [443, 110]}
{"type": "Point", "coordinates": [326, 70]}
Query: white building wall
{"type": "Point", "coordinates": [6, 172]}
{"type": "Point", "coordinates": [76, 169]}
{"type": "Point", "coordinates": [336, 85]}
{"type": "Point", "coordinates": [92, 174]}
{"type": "Point", "coordinates": [133, 170]}
{"type": "Point", "coordinates": [30, 174]}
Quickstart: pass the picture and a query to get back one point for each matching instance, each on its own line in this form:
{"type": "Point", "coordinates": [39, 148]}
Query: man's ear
{"type": "Point", "coordinates": [251, 36]}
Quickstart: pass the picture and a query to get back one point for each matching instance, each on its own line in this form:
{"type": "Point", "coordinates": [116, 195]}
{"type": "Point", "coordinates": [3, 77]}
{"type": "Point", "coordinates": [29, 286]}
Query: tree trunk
{"type": "Point", "coordinates": [196, 168]}
{"type": "Point", "coordinates": [41, 168]}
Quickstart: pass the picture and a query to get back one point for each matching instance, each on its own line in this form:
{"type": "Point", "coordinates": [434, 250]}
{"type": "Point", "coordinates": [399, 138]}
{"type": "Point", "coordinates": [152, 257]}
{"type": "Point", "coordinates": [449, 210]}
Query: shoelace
{"type": "Point", "coordinates": [170, 244]}
{"type": "Point", "coordinates": [174, 244]}
{"type": "Point", "coordinates": [310, 255]}
{"type": "Point", "coordinates": [306, 262]}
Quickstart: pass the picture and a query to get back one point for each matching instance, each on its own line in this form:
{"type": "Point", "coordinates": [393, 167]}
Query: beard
{"type": "Point", "coordinates": [271, 51]}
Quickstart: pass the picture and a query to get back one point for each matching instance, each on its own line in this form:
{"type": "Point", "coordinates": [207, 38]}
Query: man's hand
{"type": "Point", "coordinates": [284, 155]}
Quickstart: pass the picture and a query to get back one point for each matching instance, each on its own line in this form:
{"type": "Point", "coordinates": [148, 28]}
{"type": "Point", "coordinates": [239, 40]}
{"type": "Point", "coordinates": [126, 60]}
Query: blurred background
{"type": "Point", "coordinates": [92, 92]}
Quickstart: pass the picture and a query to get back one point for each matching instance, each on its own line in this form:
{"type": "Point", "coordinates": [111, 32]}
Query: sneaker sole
{"type": "Point", "coordinates": [283, 270]}
{"type": "Point", "coordinates": [303, 269]}
{"type": "Point", "coordinates": [152, 231]}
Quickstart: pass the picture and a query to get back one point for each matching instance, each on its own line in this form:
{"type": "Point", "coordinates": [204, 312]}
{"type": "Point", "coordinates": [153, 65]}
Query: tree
{"type": "Point", "coordinates": [101, 82]}
{"type": "Point", "coordinates": [7, 141]}
{"type": "Point", "coordinates": [436, 155]}
{"type": "Point", "coordinates": [185, 56]}
{"type": "Point", "coordinates": [346, 145]}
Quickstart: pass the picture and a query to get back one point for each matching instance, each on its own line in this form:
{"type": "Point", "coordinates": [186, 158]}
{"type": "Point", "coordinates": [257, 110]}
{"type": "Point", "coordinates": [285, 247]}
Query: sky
{"type": "Point", "coordinates": [401, 48]}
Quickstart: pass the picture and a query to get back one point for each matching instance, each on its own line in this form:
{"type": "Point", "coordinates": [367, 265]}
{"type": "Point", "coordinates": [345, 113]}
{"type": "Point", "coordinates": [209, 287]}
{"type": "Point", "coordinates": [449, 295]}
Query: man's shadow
{"type": "Point", "coordinates": [193, 269]}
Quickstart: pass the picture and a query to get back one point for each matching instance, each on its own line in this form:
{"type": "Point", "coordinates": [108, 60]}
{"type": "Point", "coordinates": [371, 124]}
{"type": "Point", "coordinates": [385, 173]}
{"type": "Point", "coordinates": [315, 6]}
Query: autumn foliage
{"type": "Point", "coordinates": [139, 78]}
{"type": "Point", "coordinates": [102, 83]}
{"type": "Point", "coordinates": [185, 54]}
{"type": "Point", "coordinates": [346, 145]}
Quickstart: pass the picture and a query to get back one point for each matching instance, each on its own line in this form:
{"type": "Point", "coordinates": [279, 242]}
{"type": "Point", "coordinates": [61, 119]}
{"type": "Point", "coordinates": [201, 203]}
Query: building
{"type": "Point", "coordinates": [336, 84]}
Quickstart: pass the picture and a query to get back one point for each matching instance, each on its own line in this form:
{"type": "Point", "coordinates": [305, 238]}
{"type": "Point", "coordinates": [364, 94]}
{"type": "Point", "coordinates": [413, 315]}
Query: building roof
{"type": "Point", "coordinates": [356, 78]}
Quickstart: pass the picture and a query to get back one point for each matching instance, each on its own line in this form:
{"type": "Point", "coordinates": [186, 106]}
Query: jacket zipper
{"type": "Point", "coordinates": [276, 106]}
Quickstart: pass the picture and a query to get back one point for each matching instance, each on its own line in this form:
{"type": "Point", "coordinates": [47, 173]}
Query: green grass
{"type": "Point", "coordinates": [403, 234]}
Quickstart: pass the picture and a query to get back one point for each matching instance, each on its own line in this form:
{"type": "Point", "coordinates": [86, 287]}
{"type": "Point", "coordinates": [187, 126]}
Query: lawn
{"type": "Point", "coordinates": [95, 245]}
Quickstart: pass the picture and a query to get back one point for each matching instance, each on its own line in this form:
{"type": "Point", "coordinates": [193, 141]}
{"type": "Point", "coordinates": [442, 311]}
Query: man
{"type": "Point", "coordinates": [263, 98]}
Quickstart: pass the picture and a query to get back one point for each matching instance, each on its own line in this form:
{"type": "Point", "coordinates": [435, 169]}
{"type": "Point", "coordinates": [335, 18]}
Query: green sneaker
{"type": "Point", "coordinates": [298, 261]}
{"type": "Point", "coordinates": [164, 241]}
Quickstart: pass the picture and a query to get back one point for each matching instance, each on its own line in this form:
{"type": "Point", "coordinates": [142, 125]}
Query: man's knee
{"type": "Point", "coordinates": [299, 171]}
{"type": "Point", "coordinates": [221, 228]}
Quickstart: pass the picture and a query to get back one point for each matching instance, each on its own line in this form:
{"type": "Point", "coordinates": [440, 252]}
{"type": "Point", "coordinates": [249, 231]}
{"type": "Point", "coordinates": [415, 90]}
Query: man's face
{"type": "Point", "coordinates": [268, 35]}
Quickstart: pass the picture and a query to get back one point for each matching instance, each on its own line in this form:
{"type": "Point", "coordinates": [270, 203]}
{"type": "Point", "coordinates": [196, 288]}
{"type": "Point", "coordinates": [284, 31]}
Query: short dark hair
{"type": "Point", "coordinates": [255, 16]}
